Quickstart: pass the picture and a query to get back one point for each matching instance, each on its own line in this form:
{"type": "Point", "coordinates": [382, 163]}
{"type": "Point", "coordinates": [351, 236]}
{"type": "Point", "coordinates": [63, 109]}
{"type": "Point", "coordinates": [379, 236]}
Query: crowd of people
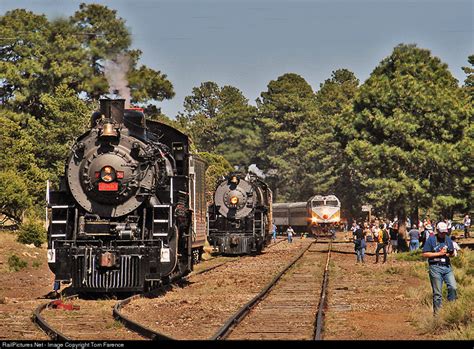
{"type": "Point", "coordinates": [385, 236]}
{"type": "Point", "coordinates": [434, 239]}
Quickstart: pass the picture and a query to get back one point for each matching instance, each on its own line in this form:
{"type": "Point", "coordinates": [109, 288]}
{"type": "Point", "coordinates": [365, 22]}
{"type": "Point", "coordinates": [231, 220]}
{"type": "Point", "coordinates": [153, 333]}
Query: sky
{"type": "Point", "coordinates": [248, 43]}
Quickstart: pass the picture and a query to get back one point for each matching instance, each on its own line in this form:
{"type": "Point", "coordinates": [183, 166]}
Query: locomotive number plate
{"type": "Point", "coordinates": [108, 186]}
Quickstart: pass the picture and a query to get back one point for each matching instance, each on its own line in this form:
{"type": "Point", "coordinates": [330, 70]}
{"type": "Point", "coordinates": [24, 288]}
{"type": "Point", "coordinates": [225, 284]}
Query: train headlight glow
{"type": "Point", "coordinates": [107, 174]}
{"type": "Point", "coordinates": [314, 219]}
{"type": "Point", "coordinates": [234, 200]}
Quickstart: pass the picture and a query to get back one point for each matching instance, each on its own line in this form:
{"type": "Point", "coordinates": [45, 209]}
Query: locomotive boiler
{"type": "Point", "coordinates": [130, 210]}
{"type": "Point", "coordinates": [240, 218]}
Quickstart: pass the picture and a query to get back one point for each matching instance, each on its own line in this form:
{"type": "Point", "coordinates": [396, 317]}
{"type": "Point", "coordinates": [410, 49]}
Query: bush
{"type": "Point", "coordinates": [15, 263]}
{"type": "Point", "coordinates": [32, 233]}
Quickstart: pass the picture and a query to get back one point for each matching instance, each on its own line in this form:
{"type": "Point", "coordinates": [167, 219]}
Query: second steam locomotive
{"type": "Point", "coordinates": [240, 218]}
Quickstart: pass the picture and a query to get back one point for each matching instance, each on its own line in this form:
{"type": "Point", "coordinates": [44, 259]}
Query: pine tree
{"type": "Point", "coordinates": [410, 118]}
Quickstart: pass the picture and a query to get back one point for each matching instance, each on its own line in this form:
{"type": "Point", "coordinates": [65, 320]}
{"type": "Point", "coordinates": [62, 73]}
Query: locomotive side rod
{"type": "Point", "coordinates": [235, 319]}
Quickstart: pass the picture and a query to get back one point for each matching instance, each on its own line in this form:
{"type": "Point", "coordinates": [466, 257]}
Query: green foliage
{"type": "Point", "coordinates": [15, 263]}
{"type": "Point", "coordinates": [14, 198]}
{"type": "Point", "coordinates": [410, 119]}
{"type": "Point", "coordinates": [220, 120]}
{"type": "Point", "coordinates": [37, 56]}
{"type": "Point", "coordinates": [51, 72]}
{"type": "Point", "coordinates": [469, 82]}
{"type": "Point", "coordinates": [65, 118]}
{"type": "Point", "coordinates": [335, 99]}
{"type": "Point", "coordinates": [288, 115]}
{"type": "Point", "coordinates": [32, 232]}
{"type": "Point", "coordinates": [217, 166]}
{"type": "Point", "coordinates": [104, 36]}
{"type": "Point", "coordinates": [21, 180]}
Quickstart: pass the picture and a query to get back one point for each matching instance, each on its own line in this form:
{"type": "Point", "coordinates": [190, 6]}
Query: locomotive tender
{"type": "Point", "coordinates": [130, 211]}
{"type": "Point", "coordinates": [240, 218]}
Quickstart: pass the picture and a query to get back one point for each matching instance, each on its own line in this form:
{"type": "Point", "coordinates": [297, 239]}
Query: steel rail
{"type": "Point", "coordinates": [322, 300]}
{"type": "Point", "coordinates": [40, 321]}
{"type": "Point", "coordinates": [143, 330]}
{"type": "Point", "coordinates": [135, 326]}
{"type": "Point", "coordinates": [226, 329]}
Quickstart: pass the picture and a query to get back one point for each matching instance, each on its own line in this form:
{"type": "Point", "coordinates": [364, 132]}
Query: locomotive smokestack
{"type": "Point", "coordinates": [113, 109]}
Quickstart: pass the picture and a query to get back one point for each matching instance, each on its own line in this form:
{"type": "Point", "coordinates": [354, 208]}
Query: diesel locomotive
{"type": "Point", "coordinates": [130, 211]}
{"type": "Point", "coordinates": [317, 216]}
{"type": "Point", "coordinates": [240, 218]}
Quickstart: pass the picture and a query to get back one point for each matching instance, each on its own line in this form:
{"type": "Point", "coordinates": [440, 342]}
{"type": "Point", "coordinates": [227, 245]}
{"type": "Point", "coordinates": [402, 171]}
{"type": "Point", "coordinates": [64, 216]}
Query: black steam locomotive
{"type": "Point", "coordinates": [241, 215]}
{"type": "Point", "coordinates": [130, 211]}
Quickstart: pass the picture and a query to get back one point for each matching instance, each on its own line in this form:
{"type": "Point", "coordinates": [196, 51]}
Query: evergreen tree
{"type": "Point", "coordinates": [220, 120]}
{"type": "Point", "coordinates": [333, 175]}
{"type": "Point", "coordinates": [200, 113]}
{"type": "Point", "coordinates": [288, 115]}
{"type": "Point", "coordinates": [410, 119]}
{"type": "Point", "coordinates": [104, 36]}
{"type": "Point", "coordinates": [469, 82]}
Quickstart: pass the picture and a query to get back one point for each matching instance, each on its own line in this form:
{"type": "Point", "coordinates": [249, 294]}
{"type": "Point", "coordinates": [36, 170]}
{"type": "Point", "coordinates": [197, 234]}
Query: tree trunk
{"type": "Point", "coordinates": [414, 217]}
{"type": "Point", "coordinates": [402, 230]}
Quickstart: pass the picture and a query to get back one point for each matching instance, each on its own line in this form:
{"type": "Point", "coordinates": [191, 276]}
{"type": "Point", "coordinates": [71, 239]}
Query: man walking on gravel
{"type": "Point", "coordinates": [438, 248]}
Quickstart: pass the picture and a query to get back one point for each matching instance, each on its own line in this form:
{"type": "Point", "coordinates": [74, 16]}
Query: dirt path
{"type": "Point", "coordinates": [199, 309]}
{"type": "Point", "coordinates": [369, 301]}
{"type": "Point", "coordinates": [20, 290]}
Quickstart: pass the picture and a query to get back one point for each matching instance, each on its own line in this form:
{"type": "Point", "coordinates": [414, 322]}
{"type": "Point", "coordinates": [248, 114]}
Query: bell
{"type": "Point", "coordinates": [108, 130]}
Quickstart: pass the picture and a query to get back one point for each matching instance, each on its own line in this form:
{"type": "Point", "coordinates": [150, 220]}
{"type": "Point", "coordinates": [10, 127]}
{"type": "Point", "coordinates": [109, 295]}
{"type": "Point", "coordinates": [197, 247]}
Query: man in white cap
{"type": "Point", "coordinates": [438, 248]}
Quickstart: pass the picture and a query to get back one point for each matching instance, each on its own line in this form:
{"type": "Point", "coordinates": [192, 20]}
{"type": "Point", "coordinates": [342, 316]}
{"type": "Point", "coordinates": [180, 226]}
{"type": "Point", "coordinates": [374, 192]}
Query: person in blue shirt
{"type": "Point", "coordinates": [438, 248]}
{"type": "Point", "coordinates": [274, 233]}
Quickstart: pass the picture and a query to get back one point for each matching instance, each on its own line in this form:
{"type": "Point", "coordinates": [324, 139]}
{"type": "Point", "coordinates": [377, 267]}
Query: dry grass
{"type": "Point", "coordinates": [455, 320]}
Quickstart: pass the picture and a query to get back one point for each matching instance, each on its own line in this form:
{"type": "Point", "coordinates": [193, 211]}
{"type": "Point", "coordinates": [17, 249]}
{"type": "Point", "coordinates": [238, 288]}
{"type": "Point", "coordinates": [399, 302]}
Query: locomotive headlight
{"type": "Point", "coordinates": [107, 174]}
{"type": "Point", "coordinates": [234, 200]}
{"type": "Point", "coordinates": [314, 219]}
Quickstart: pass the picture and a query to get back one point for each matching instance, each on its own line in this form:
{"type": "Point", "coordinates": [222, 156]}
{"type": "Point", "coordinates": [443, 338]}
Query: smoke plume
{"type": "Point", "coordinates": [254, 169]}
{"type": "Point", "coordinates": [116, 74]}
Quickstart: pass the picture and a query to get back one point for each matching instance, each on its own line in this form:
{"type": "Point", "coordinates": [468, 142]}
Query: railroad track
{"type": "Point", "coordinates": [309, 270]}
{"type": "Point", "coordinates": [54, 326]}
{"type": "Point", "coordinates": [150, 333]}
{"type": "Point", "coordinates": [59, 326]}
{"type": "Point", "coordinates": [288, 307]}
